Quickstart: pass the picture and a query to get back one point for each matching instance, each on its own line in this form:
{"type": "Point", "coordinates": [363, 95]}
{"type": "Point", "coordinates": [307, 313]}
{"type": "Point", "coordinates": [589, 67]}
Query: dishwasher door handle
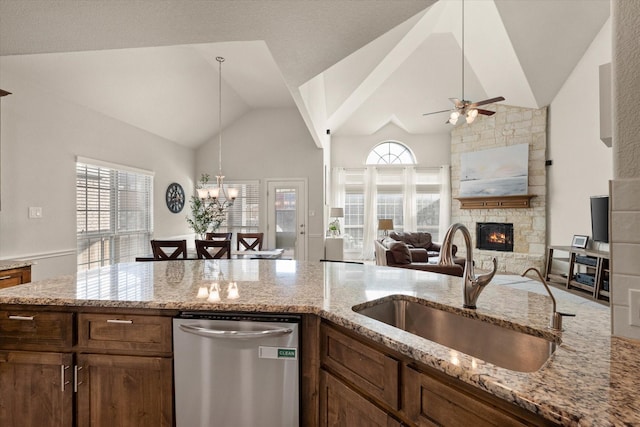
{"type": "Point", "coordinates": [217, 333]}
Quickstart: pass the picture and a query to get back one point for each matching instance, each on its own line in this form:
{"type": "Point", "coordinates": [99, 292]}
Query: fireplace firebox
{"type": "Point", "coordinates": [494, 236]}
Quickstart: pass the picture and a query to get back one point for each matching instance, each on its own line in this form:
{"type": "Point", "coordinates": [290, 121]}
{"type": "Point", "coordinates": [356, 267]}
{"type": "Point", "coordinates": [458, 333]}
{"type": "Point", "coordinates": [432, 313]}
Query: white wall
{"type": "Point", "coordinates": [582, 163]}
{"type": "Point", "coordinates": [271, 144]}
{"type": "Point", "coordinates": [350, 151]}
{"type": "Point", "coordinates": [41, 137]}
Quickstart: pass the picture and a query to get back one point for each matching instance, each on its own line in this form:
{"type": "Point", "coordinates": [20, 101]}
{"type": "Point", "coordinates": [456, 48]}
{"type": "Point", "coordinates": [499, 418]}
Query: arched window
{"type": "Point", "coordinates": [391, 153]}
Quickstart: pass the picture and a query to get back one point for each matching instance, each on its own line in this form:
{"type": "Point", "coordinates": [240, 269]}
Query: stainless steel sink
{"type": "Point", "coordinates": [499, 345]}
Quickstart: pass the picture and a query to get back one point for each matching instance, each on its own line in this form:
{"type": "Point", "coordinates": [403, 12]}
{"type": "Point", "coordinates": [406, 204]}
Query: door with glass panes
{"type": "Point", "coordinates": [286, 213]}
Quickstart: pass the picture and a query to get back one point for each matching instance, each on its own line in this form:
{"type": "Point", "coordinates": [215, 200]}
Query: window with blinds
{"type": "Point", "coordinates": [114, 214]}
{"type": "Point", "coordinates": [244, 215]}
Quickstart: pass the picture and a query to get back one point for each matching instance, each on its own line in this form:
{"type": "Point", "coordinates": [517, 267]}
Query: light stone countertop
{"type": "Point", "coordinates": [11, 264]}
{"type": "Point", "coordinates": [590, 380]}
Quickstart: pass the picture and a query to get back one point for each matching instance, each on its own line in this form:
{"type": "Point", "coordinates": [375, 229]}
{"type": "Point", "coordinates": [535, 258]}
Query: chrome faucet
{"type": "Point", "coordinates": [473, 285]}
{"type": "Point", "coordinates": [556, 317]}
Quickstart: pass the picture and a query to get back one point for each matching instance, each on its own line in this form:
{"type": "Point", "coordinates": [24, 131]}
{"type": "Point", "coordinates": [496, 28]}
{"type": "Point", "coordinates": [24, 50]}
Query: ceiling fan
{"type": "Point", "coordinates": [463, 107]}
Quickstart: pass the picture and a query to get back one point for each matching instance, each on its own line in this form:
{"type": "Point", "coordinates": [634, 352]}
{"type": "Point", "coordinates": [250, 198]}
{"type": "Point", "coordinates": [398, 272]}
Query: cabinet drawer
{"type": "Point", "coordinates": [430, 402]}
{"type": "Point", "coordinates": [342, 407]}
{"type": "Point", "coordinates": [124, 332]}
{"type": "Point", "coordinates": [15, 276]}
{"type": "Point", "coordinates": [34, 330]}
{"type": "Point", "coordinates": [372, 371]}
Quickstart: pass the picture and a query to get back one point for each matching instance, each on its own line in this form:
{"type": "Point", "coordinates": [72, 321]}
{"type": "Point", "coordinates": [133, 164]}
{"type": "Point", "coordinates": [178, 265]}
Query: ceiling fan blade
{"type": "Point", "coordinates": [4, 93]}
{"type": "Point", "coordinates": [485, 112]}
{"type": "Point", "coordinates": [436, 112]}
{"type": "Point", "coordinates": [486, 101]}
{"type": "Point", "coordinates": [457, 102]}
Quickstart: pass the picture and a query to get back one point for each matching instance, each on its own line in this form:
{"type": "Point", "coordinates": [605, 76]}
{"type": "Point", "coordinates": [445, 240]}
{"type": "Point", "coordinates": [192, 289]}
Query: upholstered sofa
{"type": "Point", "coordinates": [421, 240]}
{"type": "Point", "coordinates": [394, 253]}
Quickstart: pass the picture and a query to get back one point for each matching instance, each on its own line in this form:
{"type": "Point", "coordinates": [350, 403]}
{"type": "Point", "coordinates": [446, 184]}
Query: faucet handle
{"type": "Point", "coordinates": [567, 314]}
{"type": "Point", "coordinates": [556, 320]}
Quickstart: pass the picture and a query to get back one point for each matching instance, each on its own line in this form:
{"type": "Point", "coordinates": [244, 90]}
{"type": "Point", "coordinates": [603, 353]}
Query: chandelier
{"type": "Point", "coordinates": [217, 198]}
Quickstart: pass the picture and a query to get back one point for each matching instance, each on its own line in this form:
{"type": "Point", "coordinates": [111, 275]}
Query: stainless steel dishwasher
{"type": "Point", "coordinates": [236, 370]}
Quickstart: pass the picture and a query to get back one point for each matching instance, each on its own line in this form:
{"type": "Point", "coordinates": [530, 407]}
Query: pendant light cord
{"type": "Point", "coordinates": [220, 60]}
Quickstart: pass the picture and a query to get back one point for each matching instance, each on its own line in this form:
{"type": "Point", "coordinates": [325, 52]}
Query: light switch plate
{"type": "Point", "coordinates": [634, 307]}
{"type": "Point", "coordinates": [35, 212]}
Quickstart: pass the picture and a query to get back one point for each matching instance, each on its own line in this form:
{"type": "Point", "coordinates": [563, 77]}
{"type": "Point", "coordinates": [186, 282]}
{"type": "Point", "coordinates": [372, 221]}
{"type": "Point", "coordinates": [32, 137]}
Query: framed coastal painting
{"type": "Point", "coordinates": [500, 171]}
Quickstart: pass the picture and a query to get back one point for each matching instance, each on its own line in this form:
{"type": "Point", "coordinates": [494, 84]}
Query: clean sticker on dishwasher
{"type": "Point", "coordinates": [277, 353]}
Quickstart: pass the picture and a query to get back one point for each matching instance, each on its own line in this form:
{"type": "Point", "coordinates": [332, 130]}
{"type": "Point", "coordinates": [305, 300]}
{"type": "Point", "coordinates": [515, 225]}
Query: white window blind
{"type": "Point", "coordinates": [114, 214]}
{"type": "Point", "coordinates": [244, 215]}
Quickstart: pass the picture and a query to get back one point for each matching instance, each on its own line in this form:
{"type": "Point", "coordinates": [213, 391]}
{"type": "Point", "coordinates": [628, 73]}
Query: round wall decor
{"type": "Point", "coordinates": [175, 197]}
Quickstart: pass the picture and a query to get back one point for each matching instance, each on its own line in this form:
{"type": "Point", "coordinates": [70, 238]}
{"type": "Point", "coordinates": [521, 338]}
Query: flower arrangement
{"type": "Point", "coordinates": [204, 217]}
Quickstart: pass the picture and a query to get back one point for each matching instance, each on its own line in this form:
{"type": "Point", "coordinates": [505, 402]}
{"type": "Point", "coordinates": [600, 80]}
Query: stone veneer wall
{"type": "Point", "coordinates": [509, 126]}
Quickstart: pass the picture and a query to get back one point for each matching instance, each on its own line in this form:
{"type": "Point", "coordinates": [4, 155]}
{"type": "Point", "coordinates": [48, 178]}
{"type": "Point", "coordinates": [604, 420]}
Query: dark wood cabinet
{"type": "Point", "coordinates": [36, 389]}
{"type": "Point", "coordinates": [133, 387]}
{"type": "Point", "coordinates": [367, 368]}
{"type": "Point", "coordinates": [107, 368]}
{"type": "Point", "coordinates": [15, 276]}
{"type": "Point", "coordinates": [341, 406]}
{"type": "Point", "coordinates": [125, 391]}
{"type": "Point", "coordinates": [431, 399]}
{"type": "Point", "coordinates": [363, 383]}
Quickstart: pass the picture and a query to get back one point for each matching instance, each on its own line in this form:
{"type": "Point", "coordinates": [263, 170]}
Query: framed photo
{"type": "Point", "coordinates": [579, 241]}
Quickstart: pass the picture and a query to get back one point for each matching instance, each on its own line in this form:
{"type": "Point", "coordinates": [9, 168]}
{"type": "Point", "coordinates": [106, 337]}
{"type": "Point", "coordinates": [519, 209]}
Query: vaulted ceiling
{"type": "Point", "coordinates": [348, 66]}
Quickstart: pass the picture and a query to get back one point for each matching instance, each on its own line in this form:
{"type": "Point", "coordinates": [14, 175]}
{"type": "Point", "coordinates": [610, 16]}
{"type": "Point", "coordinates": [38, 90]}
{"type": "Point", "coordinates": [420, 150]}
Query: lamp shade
{"type": "Point", "coordinates": [337, 213]}
{"type": "Point", "coordinates": [385, 224]}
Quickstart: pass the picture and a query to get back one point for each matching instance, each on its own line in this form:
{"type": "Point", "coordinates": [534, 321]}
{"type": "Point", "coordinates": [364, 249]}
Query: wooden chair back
{"type": "Point", "coordinates": [218, 236]}
{"type": "Point", "coordinates": [221, 247]}
{"type": "Point", "coordinates": [169, 249]}
{"type": "Point", "coordinates": [250, 241]}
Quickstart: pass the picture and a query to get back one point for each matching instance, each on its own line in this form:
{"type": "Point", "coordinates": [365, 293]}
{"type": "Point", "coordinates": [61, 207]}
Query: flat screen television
{"type": "Point", "coordinates": [600, 218]}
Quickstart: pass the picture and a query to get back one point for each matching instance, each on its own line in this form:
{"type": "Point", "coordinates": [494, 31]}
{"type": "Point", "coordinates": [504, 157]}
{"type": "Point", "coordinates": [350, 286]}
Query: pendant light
{"type": "Point", "coordinates": [217, 197]}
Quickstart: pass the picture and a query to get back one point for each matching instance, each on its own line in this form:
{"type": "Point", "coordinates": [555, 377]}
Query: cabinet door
{"type": "Point", "coordinates": [36, 389]}
{"type": "Point", "coordinates": [124, 391]}
{"type": "Point", "coordinates": [342, 407]}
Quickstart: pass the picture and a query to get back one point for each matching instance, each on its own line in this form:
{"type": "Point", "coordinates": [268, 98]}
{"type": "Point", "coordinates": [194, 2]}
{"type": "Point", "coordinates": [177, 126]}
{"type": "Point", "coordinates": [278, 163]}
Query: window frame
{"type": "Point", "coordinates": [123, 199]}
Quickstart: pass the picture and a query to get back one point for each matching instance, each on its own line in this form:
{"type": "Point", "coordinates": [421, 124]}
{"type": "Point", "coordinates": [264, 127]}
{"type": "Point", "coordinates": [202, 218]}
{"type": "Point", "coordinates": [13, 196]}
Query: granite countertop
{"type": "Point", "coordinates": [590, 380]}
{"type": "Point", "coordinates": [11, 264]}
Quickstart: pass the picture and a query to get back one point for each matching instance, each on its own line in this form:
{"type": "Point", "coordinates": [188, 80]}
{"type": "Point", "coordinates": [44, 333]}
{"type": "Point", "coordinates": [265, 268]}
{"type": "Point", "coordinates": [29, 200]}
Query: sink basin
{"type": "Point", "coordinates": [498, 345]}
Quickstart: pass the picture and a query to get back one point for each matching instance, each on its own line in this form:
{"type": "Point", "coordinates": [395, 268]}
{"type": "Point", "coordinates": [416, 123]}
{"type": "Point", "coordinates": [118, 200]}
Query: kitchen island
{"type": "Point", "coordinates": [590, 380]}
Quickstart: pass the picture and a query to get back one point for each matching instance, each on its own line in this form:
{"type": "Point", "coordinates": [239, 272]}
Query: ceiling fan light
{"type": "Point", "coordinates": [453, 117]}
{"type": "Point", "coordinates": [471, 115]}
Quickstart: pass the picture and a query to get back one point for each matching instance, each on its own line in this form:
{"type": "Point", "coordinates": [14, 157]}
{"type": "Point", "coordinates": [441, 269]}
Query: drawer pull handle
{"type": "Point", "coordinates": [120, 321]}
{"type": "Point", "coordinates": [5, 277]}
{"type": "Point", "coordinates": [21, 317]}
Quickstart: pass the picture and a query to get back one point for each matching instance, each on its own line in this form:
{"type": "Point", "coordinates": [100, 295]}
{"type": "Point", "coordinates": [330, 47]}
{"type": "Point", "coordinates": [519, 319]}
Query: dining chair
{"type": "Point", "coordinates": [169, 249]}
{"type": "Point", "coordinates": [218, 236]}
{"type": "Point", "coordinates": [222, 247]}
{"type": "Point", "coordinates": [250, 241]}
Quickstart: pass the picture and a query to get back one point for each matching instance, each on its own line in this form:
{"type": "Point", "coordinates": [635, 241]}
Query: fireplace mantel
{"type": "Point", "coordinates": [495, 202]}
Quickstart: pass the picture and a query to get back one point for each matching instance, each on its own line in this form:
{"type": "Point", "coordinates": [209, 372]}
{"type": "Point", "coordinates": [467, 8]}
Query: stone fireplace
{"type": "Point", "coordinates": [494, 236]}
{"type": "Point", "coordinates": [509, 126]}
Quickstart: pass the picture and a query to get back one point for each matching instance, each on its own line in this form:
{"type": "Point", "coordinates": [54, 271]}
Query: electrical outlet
{"type": "Point", "coordinates": [35, 212]}
{"type": "Point", "coordinates": [634, 307]}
